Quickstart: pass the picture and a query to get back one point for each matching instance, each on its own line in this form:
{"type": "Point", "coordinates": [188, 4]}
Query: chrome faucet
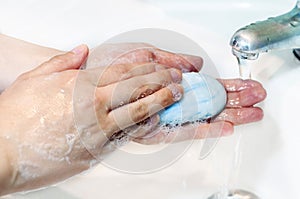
{"type": "Point", "coordinates": [275, 33]}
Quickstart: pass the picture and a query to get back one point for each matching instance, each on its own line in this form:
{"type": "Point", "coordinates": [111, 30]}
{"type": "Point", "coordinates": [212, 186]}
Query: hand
{"type": "Point", "coordinates": [39, 137]}
{"type": "Point", "coordinates": [242, 96]}
{"type": "Point", "coordinates": [107, 55]}
{"type": "Point", "coordinates": [135, 53]}
{"type": "Point", "coordinates": [119, 54]}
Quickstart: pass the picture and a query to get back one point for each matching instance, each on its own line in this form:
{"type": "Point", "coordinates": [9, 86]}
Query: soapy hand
{"type": "Point", "coordinates": [242, 95]}
{"type": "Point", "coordinates": [40, 138]}
{"type": "Point", "coordinates": [240, 108]}
{"type": "Point", "coordinates": [109, 54]}
{"type": "Point", "coordinates": [40, 142]}
{"type": "Point", "coordinates": [134, 53]}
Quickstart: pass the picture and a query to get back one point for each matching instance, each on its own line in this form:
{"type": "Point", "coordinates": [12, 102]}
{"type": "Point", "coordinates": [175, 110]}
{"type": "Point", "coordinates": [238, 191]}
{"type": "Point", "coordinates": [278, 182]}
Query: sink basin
{"type": "Point", "coordinates": [268, 163]}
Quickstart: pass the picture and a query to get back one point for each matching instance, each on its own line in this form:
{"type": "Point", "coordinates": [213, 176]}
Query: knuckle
{"type": "Point", "coordinates": [60, 59]}
{"type": "Point", "coordinates": [107, 127]}
{"type": "Point", "coordinates": [167, 98]}
{"type": "Point", "coordinates": [124, 70]}
{"type": "Point", "coordinates": [139, 111]}
{"type": "Point", "coordinates": [101, 99]}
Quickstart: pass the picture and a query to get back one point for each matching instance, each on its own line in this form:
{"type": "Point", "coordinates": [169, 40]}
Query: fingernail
{"type": "Point", "coordinates": [176, 75]}
{"type": "Point", "coordinates": [176, 92]}
{"type": "Point", "coordinates": [79, 49]}
{"type": "Point", "coordinates": [261, 94]}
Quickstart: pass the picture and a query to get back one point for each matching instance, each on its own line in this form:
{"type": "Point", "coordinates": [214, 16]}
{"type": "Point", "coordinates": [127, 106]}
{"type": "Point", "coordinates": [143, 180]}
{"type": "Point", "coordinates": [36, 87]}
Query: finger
{"type": "Point", "coordinates": [188, 132]}
{"type": "Point", "coordinates": [122, 137]}
{"type": "Point", "coordinates": [186, 63]}
{"type": "Point", "coordinates": [239, 116]}
{"type": "Point", "coordinates": [235, 85]}
{"type": "Point", "coordinates": [145, 127]}
{"type": "Point", "coordinates": [246, 97]}
{"type": "Point", "coordinates": [117, 54]}
{"type": "Point", "coordinates": [132, 89]}
{"type": "Point", "coordinates": [139, 130]}
{"type": "Point", "coordinates": [116, 73]}
{"type": "Point", "coordinates": [70, 60]}
{"type": "Point", "coordinates": [135, 112]}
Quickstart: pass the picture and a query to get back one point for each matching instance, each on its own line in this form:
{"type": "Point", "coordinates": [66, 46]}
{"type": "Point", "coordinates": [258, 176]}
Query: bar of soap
{"type": "Point", "coordinates": [204, 97]}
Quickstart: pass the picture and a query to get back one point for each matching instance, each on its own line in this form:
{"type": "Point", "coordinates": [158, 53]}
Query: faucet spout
{"type": "Point", "coordinates": [275, 33]}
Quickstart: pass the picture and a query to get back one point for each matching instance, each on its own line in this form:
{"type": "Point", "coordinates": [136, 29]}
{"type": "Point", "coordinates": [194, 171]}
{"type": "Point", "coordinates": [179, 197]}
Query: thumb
{"type": "Point", "coordinates": [67, 61]}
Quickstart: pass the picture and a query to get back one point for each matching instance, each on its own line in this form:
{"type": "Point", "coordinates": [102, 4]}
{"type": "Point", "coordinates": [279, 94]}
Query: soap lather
{"type": "Point", "coordinates": [204, 98]}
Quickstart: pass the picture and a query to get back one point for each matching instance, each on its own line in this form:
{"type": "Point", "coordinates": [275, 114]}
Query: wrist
{"type": "Point", "coordinates": [17, 57]}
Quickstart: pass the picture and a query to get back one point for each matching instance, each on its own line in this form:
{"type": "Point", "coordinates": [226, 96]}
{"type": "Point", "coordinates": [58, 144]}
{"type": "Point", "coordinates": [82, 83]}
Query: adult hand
{"type": "Point", "coordinates": [242, 95]}
{"type": "Point", "coordinates": [240, 108]}
{"type": "Point", "coordinates": [41, 141]}
{"type": "Point", "coordinates": [135, 53]}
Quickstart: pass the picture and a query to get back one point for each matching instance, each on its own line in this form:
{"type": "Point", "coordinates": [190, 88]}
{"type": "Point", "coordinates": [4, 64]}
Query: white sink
{"type": "Point", "coordinates": [269, 149]}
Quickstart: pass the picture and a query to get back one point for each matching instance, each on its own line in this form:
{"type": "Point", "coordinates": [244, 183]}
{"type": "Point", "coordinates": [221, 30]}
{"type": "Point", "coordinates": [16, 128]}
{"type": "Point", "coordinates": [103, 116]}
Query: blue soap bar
{"type": "Point", "coordinates": [204, 97]}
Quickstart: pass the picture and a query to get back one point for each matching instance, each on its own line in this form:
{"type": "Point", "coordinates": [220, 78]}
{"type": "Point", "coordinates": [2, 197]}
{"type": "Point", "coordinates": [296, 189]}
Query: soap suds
{"type": "Point", "coordinates": [28, 170]}
{"type": "Point", "coordinates": [70, 138]}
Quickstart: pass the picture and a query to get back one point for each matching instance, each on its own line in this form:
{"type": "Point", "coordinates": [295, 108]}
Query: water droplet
{"type": "Point", "coordinates": [121, 103]}
{"type": "Point", "coordinates": [42, 120]}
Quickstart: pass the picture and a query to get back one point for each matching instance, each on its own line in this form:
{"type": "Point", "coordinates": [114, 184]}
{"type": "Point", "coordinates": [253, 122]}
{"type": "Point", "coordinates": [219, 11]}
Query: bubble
{"type": "Point", "coordinates": [70, 138]}
{"type": "Point", "coordinates": [122, 103]}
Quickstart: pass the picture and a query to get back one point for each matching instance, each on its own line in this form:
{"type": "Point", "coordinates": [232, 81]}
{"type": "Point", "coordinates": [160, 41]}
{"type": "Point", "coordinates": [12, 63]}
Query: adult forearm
{"type": "Point", "coordinates": [17, 57]}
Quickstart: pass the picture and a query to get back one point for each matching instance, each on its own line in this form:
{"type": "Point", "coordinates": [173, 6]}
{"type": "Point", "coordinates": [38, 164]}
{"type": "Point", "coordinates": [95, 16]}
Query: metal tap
{"type": "Point", "coordinates": [275, 33]}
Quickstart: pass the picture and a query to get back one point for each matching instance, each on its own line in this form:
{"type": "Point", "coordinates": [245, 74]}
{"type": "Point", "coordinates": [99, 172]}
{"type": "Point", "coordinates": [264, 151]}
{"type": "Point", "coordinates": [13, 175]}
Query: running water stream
{"type": "Point", "coordinates": [226, 192]}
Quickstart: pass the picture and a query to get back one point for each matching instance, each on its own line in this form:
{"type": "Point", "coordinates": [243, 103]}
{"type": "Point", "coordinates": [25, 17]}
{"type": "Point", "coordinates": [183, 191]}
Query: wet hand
{"type": "Point", "coordinates": [47, 112]}
{"type": "Point", "coordinates": [135, 53]}
{"type": "Point", "coordinates": [242, 96]}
